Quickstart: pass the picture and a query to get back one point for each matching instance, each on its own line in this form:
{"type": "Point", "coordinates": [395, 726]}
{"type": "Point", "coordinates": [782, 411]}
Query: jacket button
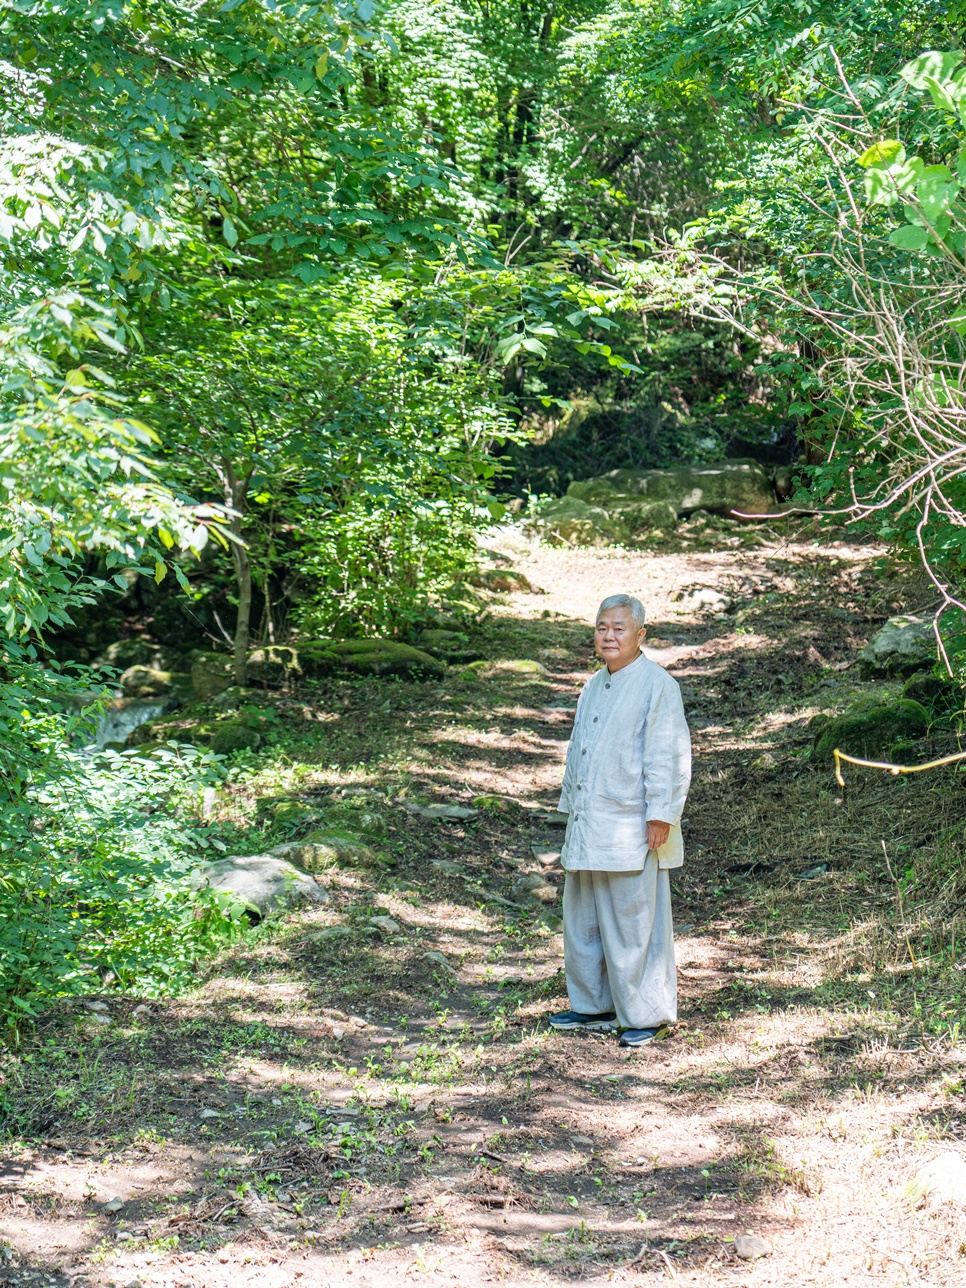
{"type": "Point", "coordinates": [596, 719]}
{"type": "Point", "coordinates": [606, 686]}
{"type": "Point", "coordinates": [584, 752]}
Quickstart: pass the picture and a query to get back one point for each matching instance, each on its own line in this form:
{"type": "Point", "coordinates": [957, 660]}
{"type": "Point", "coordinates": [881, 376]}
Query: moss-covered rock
{"type": "Point", "coordinates": [874, 732]}
{"type": "Point", "coordinates": [570, 521]}
{"type": "Point", "coordinates": [211, 674]}
{"type": "Point", "coordinates": [493, 804]}
{"type": "Point", "coordinates": [721, 488]}
{"type": "Point", "coordinates": [448, 646]}
{"type": "Point", "coordinates": [523, 666]}
{"type": "Point", "coordinates": [940, 695]}
{"type": "Point", "coordinates": [647, 516]}
{"type": "Point", "coordinates": [273, 667]}
{"type": "Point", "coordinates": [146, 682]}
{"type": "Point", "coordinates": [369, 657]}
{"type": "Point", "coordinates": [283, 810]}
{"type": "Point", "coordinates": [127, 653]}
{"type": "Point", "coordinates": [335, 847]}
{"type": "Point", "coordinates": [234, 735]}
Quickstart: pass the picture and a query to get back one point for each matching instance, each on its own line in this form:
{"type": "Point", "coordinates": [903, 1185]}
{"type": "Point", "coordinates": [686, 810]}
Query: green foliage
{"type": "Point", "coordinates": [97, 855]}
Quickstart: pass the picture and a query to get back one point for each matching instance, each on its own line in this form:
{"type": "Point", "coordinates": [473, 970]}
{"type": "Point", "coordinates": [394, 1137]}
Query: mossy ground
{"type": "Point", "coordinates": [341, 1103]}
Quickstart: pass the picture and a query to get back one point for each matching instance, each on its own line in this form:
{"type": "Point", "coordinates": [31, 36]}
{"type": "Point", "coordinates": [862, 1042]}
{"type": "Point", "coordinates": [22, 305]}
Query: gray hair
{"type": "Point", "coordinates": [633, 606]}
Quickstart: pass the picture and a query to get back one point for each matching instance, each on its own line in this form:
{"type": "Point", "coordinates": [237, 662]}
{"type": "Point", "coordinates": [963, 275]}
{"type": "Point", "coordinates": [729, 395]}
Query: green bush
{"type": "Point", "coordinates": [96, 855]}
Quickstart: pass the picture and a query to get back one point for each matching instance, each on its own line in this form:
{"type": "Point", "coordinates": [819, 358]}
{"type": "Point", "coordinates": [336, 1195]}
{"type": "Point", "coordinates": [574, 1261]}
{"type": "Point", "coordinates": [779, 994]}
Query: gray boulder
{"type": "Point", "coordinates": [722, 489]}
{"type": "Point", "coordinates": [262, 882]}
{"type": "Point", "coordinates": [905, 644]}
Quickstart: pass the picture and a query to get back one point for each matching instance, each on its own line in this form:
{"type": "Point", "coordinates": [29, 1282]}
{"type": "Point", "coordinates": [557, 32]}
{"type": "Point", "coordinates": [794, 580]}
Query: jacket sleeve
{"type": "Point", "coordinates": [667, 755]}
{"type": "Point", "coordinates": [563, 805]}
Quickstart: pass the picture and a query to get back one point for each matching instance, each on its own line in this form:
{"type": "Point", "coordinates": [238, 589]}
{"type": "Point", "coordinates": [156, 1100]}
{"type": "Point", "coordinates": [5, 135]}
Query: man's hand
{"type": "Point", "coordinates": [657, 834]}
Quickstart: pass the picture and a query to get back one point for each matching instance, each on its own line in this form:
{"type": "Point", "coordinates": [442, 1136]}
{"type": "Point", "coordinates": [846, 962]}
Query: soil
{"type": "Point", "coordinates": [377, 1106]}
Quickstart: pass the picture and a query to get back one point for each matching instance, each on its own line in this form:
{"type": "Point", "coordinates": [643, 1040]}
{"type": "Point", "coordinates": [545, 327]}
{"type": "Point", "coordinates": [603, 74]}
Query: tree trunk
{"type": "Point", "coordinates": [237, 496]}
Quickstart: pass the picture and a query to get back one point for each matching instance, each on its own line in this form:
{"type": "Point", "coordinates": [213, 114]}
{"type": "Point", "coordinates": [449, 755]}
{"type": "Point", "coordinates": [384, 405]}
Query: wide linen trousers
{"type": "Point", "coordinates": [619, 945]}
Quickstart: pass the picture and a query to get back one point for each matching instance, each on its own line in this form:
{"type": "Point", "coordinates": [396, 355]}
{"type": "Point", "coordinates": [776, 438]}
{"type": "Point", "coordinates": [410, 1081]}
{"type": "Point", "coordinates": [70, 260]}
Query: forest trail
{"type": "Point", "coordinates": [336, 1107]}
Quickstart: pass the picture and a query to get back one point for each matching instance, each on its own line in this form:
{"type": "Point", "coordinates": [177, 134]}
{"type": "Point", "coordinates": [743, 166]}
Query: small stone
{"type": "Point", "coordinates": [95, 1006]}
{"type": "Point", "coordinates": [386, 924]}
{"type": "Point", "coordinates": [338, 1034]}
{"type": "Point", "coordinates": [114, 1205]}
{"type": "Point", "coordinates": [449, 813]}
{"type": "Point", "coordinates": [451, 869]}
{"type": "Point", "coordinates": [556, 818]}
{"type": "Point", "coordinates": [438, 959]}
{"type": "Point", "coordinates": [210, 1113]}
{"type": "Point", "coordinates": [749, 1247]}
{"type": "Point", "coordinates": [547, 858]}
{"type": "Point", "coordinates": [101, 1019]}
{"type": "Point", "coordinates": [142, 1012]}
{"type": "Point", "coordinates": [300, 1128]}
{"type": "Point", "coordinates": [819, 870]}
{"type": "Point", "coordinates": [941, 1181]}
{"type": "Point", "coordinates": [582, 1142]}
{"type": "Point", "coordinates": [124, 1236]}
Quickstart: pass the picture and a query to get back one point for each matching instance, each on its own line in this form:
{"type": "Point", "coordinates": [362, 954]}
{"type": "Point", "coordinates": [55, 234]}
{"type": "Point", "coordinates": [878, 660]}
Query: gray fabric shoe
{"type": "Point", "coordinates": [643, 1037]}
{"type": "Point", "coordinates": [603, 1023]}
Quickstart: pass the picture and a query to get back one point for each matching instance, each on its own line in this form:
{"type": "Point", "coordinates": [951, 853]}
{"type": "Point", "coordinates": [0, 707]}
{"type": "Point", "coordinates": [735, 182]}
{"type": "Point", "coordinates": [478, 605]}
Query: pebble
{"type": "Point", "coordinates": [338, 1034]}
{"type": "Point", "coordinates": [438, 959]}
{"type": "Point", "coordinates": [142, 1011]}
{"type": "Point", "coordinates": [749, 1247]}
{"type": "Point", "coordinates": [114, 1205]}
{"type": "Point", "coordinates": [210, 1113]}
{"type": "Point", "coordinates": [124, 1236]}
{"type": "Point", "coordinates": [388, 925]}
{"type": "Point", "coordinates": [96, 1006]}
{"type": "Point", "coordinates": [809, 874]}
{"type": "Point", "coordinates": [300, 1128]}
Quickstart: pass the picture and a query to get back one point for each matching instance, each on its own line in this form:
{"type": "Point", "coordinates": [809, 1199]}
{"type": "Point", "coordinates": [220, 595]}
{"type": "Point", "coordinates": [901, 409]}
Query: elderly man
{"type": "Point", "coordinates": [624, 788]}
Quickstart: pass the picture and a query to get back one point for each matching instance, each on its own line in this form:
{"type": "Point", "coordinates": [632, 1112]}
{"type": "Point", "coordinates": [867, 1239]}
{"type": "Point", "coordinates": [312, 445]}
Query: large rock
{"type": "Point", "coordinates": [575, 523]}
{"type": "Point", "coordinates": [263, 882]}
{"type": "Point", "coordinates": [329, 848]}
{"type": "Point", "coordinates": [273, 666]}
{"type": "Point", "coordinates": [872, 732]}
{"type": "Point", "coordinates": [234, 735]}
{"type": "Point", "coordinates": [211, 674]}
{"type": "Point", "coordinates": [905, 644]}
{"type": "Point", "coordinates": [368, 657]}
{"type": "Point", "coordinates": [722, 489]}
{"type": "Point", "coordinates": [146, 682]}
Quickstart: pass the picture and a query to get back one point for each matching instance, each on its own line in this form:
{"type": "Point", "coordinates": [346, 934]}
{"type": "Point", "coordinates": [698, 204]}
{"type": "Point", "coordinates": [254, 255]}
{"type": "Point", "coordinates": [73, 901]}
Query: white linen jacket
{"type": "Point", "coordinates": [629, 761]}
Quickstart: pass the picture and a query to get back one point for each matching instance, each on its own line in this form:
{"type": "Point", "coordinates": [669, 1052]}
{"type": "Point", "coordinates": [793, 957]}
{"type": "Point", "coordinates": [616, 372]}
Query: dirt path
{"type": "Point", "coordinates": [345, 1104]}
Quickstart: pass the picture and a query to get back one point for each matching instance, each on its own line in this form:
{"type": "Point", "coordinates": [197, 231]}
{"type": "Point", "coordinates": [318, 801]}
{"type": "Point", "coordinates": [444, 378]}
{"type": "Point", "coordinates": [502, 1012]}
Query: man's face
{"type": "Point", "coordinates": [617, 640]}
